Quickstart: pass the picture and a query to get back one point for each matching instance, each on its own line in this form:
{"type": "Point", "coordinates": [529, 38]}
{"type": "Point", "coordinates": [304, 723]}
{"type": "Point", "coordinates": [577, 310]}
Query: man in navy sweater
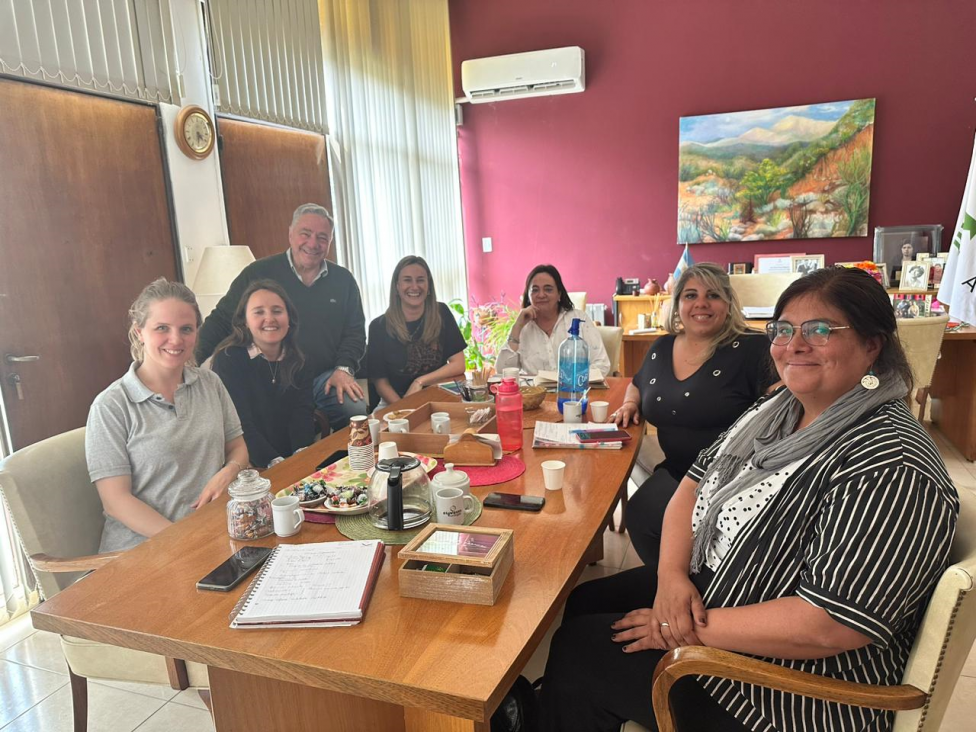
{"type": "Point", "coordinates": [332, 330]}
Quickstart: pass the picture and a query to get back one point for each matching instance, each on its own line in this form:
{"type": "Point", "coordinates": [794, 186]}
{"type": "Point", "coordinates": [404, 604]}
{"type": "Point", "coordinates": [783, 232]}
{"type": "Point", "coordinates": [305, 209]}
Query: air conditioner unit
{"type": "Point", "coordinates": [518, 75]}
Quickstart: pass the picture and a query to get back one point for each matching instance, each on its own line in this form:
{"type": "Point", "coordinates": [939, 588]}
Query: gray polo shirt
{"type": "Point", "coordinates": [169, 450]}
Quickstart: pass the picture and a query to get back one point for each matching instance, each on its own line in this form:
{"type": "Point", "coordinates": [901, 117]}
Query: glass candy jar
{"type": "Point", "coordinates": [249, 508]}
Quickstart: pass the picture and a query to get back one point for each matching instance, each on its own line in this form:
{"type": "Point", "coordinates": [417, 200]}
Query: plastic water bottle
{"type": "Point", "coordinates": [574, 368]}
{"type": "Point", "coordinates": [508, 414]}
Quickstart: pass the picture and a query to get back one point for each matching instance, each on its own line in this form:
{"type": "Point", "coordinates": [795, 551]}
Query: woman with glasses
{"type": "Point", "coordinates": [693, 384]}
{"type": "Point", "coordinates": [543, 324]}
{"type": "Point", "coordinates": [811, 534]}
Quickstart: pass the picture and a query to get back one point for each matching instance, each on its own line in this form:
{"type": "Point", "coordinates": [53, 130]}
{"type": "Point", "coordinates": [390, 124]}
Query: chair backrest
{"type": "Point", "coordinates": [948, 629]}
{"type": "Point", "coordinates": [761, 290]}
{"type": "Point", "coordinates": [579, 300]}
{"type": "Point", "coordinates": [613, 339]}
{"type": "Point", "coordinates": [54, 506]}
{"type": "Point", "coordinates": [922, 338]}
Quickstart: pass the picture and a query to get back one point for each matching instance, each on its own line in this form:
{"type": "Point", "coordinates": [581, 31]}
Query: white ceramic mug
{"type": "Point", "coordinates": [572, 412]}
{"type": "Point", "coordinates": [388, 451]}
{"type": "Point", "coordinates": [598, 411]}
{"type": "Point", "coordinates": [440, 423]}
{"type": "Point", "coordinates": [451, 505]}
{"type": "Point", "coordinates": [399, 425]}
{"type": "Point", "coordinates": [374, 430]}
{"type": "Point", "coordinates": [288, 515]}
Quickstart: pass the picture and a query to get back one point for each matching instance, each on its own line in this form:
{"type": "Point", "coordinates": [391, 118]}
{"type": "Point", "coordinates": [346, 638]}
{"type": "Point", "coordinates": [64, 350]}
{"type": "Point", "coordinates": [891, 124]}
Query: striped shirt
{"type": "Point", "coordinates": [862, 529]}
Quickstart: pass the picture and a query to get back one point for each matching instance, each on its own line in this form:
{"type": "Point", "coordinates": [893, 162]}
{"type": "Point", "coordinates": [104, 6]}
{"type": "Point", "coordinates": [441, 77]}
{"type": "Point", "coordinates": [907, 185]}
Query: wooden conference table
{"type": "Point", "coordinates": [411, 665]}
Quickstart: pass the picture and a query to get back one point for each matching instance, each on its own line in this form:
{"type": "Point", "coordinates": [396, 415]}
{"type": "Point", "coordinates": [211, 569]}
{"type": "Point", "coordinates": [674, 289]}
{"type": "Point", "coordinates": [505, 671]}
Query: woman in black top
{"type": "Point", "coordinates": [416, 343]}
{"type": "Point", "coordinates": [811, 535]}
{"type": "Point", "coordinates": [693, 384]}
{"type": "Point", "coordinates": [261, 366]}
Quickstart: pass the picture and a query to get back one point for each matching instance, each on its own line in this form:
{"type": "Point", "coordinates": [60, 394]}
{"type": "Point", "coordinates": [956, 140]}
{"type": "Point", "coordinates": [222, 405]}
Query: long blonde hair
{"type": "Point", "coordinates": [396, 324]}
{"type": "Point", "coordinates": [715, 279]}
{"type": "Point", "coordinates": [155, 291]}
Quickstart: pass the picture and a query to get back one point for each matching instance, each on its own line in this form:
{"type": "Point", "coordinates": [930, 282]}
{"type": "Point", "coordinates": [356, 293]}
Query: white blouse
{"type": "Point", "coordinates": [539, 352]}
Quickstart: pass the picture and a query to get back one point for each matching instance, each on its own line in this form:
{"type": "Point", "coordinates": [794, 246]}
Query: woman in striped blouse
{"type": "Point", "coordinates": [820, 523]}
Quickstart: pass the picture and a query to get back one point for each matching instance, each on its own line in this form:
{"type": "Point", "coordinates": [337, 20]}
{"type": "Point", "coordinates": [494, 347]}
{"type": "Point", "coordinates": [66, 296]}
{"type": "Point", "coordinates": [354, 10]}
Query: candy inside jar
{"type": "Point", "coordinates": [249, 514]}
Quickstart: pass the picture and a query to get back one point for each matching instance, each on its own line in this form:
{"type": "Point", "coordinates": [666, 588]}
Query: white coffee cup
{"type": "Point", "coordinates": [374, 430]}
{"type": "Point", "coordinates": [287, 515]}
{"type": "Point", "coordinates": [552, 473]}
{"type": "Point", "coordinates": [440, 423]}
{"type": "Point", "coordinates": [388, 451]}
{"type": "Point", "coordinates": [598, 411]}
{"type": "Point", "coordinates": [572, 412]}
{"type": "Point", "coordinates": [399, 425]}
{"type": "Point", "coordinates": [451, 505]}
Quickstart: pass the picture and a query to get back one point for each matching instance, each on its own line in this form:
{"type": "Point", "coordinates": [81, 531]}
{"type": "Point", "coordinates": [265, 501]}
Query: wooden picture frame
{"type": "Point", "coordinates": [894, 245]}
{"type": "Point", "coordinates": [737, 268]}
{"type": "Point", "coordinates": [806, 263]}
{"type": "Point", "coordinates": [915, 276]}
{"type": "Point", "coordinates": [774, 263]}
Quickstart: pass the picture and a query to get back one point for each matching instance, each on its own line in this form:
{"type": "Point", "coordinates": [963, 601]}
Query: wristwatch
{"type": "Point", "coordinates": [345, 369]}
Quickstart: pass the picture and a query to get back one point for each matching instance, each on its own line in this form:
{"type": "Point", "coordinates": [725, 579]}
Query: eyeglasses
{"type": "Point", "coordinates": [814, 332]}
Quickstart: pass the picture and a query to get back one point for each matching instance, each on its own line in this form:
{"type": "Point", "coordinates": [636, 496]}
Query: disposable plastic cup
{"type": "Point", "coordinates": [598, 411]}
{"type": "Point", "coordinates": [552, 474]}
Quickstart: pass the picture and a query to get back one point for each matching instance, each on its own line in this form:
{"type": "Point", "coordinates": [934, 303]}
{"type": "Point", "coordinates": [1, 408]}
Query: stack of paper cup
{"type": "Point", "coordinates": [361, 457]}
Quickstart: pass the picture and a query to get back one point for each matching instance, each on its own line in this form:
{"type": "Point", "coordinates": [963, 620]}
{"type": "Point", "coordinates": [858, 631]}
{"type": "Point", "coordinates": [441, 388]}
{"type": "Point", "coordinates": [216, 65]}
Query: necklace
{"type": "Point", "coordinates": [273, 370]}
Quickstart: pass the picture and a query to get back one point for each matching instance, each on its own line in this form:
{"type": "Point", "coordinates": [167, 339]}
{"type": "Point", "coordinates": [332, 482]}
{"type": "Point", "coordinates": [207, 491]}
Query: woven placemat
{"type": "Point", "coordinates": [360, 527]}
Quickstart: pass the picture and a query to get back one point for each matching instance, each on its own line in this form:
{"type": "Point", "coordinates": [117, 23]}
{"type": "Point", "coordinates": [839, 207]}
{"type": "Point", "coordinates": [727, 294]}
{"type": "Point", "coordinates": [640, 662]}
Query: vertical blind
{"type": "Point", "coordinates": [393, 142]}
{"type": "Point", "coordinates": [267, 61]}
{"type": "Point", "coordinates": [121, 47]}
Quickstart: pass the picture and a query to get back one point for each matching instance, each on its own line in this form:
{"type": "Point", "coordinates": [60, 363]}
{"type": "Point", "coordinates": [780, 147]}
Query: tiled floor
{"type": "Point", "coordinates": [35, 697]}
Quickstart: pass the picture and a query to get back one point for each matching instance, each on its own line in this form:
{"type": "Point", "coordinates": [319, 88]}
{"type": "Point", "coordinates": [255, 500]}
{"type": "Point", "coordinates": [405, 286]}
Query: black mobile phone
{"type": "Point", "coordinates": [603, 436]}
{"type": "Point", "coordinates": [333, 458]}
{"type": "Point", "coordinates": [515, 501]}
{"type": "Point", "coordinates": [229, 574]}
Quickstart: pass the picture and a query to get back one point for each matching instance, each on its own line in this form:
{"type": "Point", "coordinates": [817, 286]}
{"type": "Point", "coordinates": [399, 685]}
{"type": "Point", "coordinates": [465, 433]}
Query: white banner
{"type": "Point", "coordinates": [959, 279]}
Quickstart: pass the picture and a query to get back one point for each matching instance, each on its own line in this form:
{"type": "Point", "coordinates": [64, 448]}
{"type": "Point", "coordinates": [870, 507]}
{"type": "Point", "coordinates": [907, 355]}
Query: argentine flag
{"type": "Point", "coordinates": [684, 263]}
{"type": "Point", "coordinates": [959, 279]}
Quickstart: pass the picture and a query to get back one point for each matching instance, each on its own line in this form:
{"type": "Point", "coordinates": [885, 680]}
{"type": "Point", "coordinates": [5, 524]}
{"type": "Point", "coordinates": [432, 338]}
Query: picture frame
{"type": "Point", "coordinates": [737, 268]}
{"type": "Point", "coordinates": [937, 268]}
{"type": "Point", "coordinates": [806, 263]}
{"type": "Point", "coordinates": [874, 269]}
{"type": "Point", "coordinates": [896, 244]}
{"type": "Point", "coordinates": [774, 263]}
{"type": "Point", "coordinates": [915, 277]}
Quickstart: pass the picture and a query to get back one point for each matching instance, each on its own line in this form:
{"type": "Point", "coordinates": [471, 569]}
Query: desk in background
{"type": "Point", "coordinates": [411, 666]}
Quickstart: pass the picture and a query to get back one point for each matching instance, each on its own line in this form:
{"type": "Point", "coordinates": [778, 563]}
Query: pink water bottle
{"type": "Point", "coordinates": [508, 414]}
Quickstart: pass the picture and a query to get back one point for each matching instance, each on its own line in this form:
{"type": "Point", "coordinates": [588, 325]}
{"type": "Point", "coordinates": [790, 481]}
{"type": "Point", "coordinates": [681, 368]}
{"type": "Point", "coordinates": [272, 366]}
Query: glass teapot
{"type": "Point", "coordinates": [399, 494]}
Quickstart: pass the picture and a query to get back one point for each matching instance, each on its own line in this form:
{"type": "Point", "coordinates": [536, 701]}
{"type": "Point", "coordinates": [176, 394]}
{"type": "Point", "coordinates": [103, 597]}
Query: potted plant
{"type": "Point", "coordinates": [485, 328]}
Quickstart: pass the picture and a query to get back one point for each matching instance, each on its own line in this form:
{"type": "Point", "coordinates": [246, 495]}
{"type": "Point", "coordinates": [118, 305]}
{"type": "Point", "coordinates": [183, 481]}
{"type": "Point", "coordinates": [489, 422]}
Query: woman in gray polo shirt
{"type": "Point", "coordinates": [164, 439]}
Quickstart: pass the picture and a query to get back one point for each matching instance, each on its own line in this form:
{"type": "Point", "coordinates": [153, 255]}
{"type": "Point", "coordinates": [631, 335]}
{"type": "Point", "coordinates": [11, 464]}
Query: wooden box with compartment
{"type": "Point", "coordinates": [457, 564]}
{"type": "Point", "coordinates": [421, 437]}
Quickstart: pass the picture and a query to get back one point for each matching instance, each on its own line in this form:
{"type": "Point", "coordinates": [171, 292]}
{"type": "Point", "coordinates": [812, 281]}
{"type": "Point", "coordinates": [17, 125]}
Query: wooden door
{"type": "Point", "coordinates": [268, 172]}
{"type": "Point", "coordinates": [84, 226]}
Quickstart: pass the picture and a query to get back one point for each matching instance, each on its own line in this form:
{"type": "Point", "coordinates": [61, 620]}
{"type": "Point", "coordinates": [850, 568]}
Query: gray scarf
{"type": "Point", "coordinates": [771, 440]}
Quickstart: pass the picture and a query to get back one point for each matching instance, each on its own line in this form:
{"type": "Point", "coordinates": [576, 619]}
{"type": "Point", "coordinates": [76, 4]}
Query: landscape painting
{"type": "Point", "coordinates": [785, 173]}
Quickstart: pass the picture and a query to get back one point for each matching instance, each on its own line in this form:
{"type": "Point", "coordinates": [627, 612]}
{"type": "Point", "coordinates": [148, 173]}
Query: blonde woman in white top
{"type": "Point", "coordinates": [543, 324]}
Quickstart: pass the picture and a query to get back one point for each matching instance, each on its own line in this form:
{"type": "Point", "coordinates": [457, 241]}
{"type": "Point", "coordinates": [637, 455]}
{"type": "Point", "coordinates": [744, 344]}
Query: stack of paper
{"type": "Point", "coordinates": [562, 435]}
{"type": "Point", "coordinates": [551, 378]}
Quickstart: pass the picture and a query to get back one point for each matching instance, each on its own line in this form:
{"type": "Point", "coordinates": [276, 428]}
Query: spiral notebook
{"type": "Point", "coordinates": [311, 586]}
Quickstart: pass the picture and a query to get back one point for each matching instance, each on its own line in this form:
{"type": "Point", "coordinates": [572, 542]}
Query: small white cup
{"type": "Point", "coordinates": [388, 451]}
{"type": "Point", "coordinates": [598, 411]}
{"type": "Point", "coordinates": [512, 372]}
{"type": "Point", "coordinates": [374, 430]}
{"type": "Point", "coordinates": [572, 412]}
{"type": "Point", "coordinates": [552, 473]}
{"type": "Point", "coordinates": [440, 423]}
{"type": "Point", "coordinates": [287, 515]}
{"type": "Point", "coordinates": [399, 425]}
{"type": "Point", "coordinates": [451, 505]}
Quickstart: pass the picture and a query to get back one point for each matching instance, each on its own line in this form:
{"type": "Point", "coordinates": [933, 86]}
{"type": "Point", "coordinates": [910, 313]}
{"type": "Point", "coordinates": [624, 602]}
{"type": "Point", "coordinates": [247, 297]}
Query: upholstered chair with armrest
{"type": "Point", "coordinates": [578, 299]}
{"type": "Point", "coordinates": [613, 339]}
{"type": "Point", "coordinates": [58, 517]}
{"type": "Point", "coordinates": [942, 645]}
{"type": "Point", "coordinates": [922, 339]}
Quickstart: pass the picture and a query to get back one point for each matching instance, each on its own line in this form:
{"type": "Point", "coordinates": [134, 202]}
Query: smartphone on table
{"type": "Point", "coordinates": [515, 501]}
{"type": "Point", "coordinates": [603, 435]}
{"type": "Point", "coordinates": [229, 574]}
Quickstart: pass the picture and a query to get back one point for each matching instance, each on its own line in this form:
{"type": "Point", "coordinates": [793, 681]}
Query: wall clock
{"type": "Point", "coordinates": [195, 132]}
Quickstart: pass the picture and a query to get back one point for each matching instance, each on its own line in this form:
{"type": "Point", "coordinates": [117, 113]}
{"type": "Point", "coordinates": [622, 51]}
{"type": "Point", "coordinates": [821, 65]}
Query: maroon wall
{"type": "Point", "coordinates": [589, 181]}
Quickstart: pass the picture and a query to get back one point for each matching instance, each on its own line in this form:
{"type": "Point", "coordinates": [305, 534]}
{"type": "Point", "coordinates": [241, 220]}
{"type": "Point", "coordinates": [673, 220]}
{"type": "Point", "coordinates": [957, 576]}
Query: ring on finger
{"type": "Point", "coordinates": [665, 625]}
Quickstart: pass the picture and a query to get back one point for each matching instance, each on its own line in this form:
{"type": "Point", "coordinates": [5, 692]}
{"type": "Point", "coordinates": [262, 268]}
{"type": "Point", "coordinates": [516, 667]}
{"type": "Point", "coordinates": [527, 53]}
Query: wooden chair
{"type": "Point", "coordinates": [922, 338]}
{"type": "Point", "coordinates": [942, 645]}
{"type": "Point", "coordinates": [58, 517]}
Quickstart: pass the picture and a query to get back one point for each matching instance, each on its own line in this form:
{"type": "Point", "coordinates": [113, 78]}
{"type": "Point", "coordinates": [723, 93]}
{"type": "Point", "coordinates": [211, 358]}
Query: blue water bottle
{"type": "Point", "coordinates": [574, 368]}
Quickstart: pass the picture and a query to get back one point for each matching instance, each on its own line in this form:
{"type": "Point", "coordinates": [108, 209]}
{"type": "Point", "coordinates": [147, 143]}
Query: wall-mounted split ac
{"type": "Point", "coordinates": [519, 75]}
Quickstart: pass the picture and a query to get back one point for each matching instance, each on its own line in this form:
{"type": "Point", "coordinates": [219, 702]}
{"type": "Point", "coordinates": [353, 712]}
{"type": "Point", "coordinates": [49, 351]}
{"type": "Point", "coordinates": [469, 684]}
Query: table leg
{"type": "Point", "coordinates": [954, 384]}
